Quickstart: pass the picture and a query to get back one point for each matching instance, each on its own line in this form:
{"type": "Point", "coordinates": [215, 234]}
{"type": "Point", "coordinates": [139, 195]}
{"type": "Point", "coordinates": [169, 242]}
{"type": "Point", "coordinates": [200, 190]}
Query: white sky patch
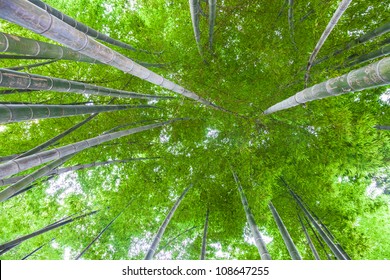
{"type": "Point", "coordinates": [131, 5]}
{"type": "Point", "coordinates": [140, 245]}
{"type": "Point", "coordinates": [67, 253]}
{"type": "Point", "coordinates": [164, 136]}
{"type": "Point", "coordinates": [385, 97]}
{"type": "Point", "coordinates": [173, 196]}
{"type": "Point", "coordinates": [164, 255]}
{"type": "Point", "coordinates": [67, 183]}
{"type": "Point", "coordinates": [212, 133]}
{"type": "Point", "coordinates": [312, 130]}
{"type": "Point", "coordinates": [373, 191]}
{"type": "Point", "coordinates": [108, 8]}
{"type": "Point", "coordinates": [219, 252]}
{"type": "Point", "coordinates": [152, 101]}
{"type": "Point", "coordinates": [54, 244]}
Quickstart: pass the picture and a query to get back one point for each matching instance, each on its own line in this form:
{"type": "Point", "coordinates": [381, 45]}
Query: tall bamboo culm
{"type": "Point", "coordinates": [156, 241]}
{"type": "Point", "coordinates": [15, 166]}
{"type": "Point", "coordinates": [260, 244]}
{"type": "Point", "coordinates": [292, 249]}
{"type": "Point", "coordinates": [370, 76]}
{"type": "Point", "coordinates": [42, 22]}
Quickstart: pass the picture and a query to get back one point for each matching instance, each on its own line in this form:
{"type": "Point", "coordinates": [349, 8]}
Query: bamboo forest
{"type": "Point", "coordinates": [194, 129]}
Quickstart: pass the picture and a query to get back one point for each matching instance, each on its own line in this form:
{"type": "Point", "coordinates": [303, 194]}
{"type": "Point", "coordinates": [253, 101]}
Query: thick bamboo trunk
{"type": "Point", "coordinates": [15, 166]}
{"type": "Point", "coordinates": [25, 182]}
{"type": "Point", "coordinates": [33, 49]}
{"type": "Point", "coordinates": [19, 240]}
{"type": "Point", "coordinates": [13, 180]}
{"type": "Point", "coordinates": [149, 255]}
{"type": "Point", "coordinates": [20, 80]}
{"type": "Point", "coordinates": [260, 244]}
{"type": "Point", "coordinates": [292, 249]}
{"type": "Point", "coordinates": [40, 21]}
{"type": "Point", "coordinates": [332, 23]}
{"type": "Point", "coordinates": [81, 27]}
{"type": "Point", "coordinates": [101, 232]}
{"type": "Point", "coordinates": [383, 29]}
{"type": "Point", "coordinates": [212, 16]}
{"type": "Point", "coordinates": [308, 239]}
{"type": "Point", "coordinates": [204, 239]}
{"type": "Point", "coordinates": [2, 252]}
{"type": "Point", "coordinates": [18, 113]}
{"type": "Point", "coordinates": [373, 75]}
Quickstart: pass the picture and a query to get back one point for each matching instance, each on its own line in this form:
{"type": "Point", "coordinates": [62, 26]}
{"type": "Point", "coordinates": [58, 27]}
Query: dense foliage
{"type": "Point", "coordinates": [328, 151]}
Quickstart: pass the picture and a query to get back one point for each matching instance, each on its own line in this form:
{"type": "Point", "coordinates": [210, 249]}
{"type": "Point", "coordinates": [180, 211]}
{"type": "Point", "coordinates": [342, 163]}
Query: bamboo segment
{"type": "Point", "coordinates": [39, 50]}
{"type": "Point", "coordinates": [332, 23]}
{"type": "Point", "coordinates": [161, 230]}
{"type": "Point", "coordinates": [15, 166]}
{"type": "Point", "coordinates": [18, 112]}
{"type": "Point", "coordinates": [311, 245]}
{"type": "Point", "coordinates": [33, 49]}
{"type": "Point", "coordinates": [212, 15]}
{"type": "Point", "coordinates": [383, 51]}
{"type": "Point", "coordinates": [81, 27]}
{"type": "Point", "coordinates": [14, 79]}
{"type": "Point", "coordinates": [292, 249]}
{"type": "Point", "coordinates": [324, 236]}
{"type": "Point", "coordinates": [40, 21]}
{"type": "Point", "coordinates": [373, 75]}
{"type": "Point", "coordinates": [204, 239]}
{"type": "Point", "coordinates": [383, 127]}
{"type": "Point", "coordinates": [15, 179]}
{"type": "Point", "coordinates": [381, 30]}
{"type": "Point", "coordinates": [35, 250]}
{"type": "Point", "coordinates": [55, 139]}
{"type": "Point", "coordinates": [19, 186]}
{"type": "Point", "coordinates": [194, 10]}
{"type": "Point", "coordinates": [260, 244]}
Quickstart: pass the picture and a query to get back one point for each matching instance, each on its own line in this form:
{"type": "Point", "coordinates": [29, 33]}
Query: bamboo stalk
{"type": "Point", "coordinates": [212, 16]}
{"type": "Point", "coordinates": [42, 22]}
{"type": "Point", "coordinates": [19, 240]}
{"type": "Point", "coordinates": [18, 112]}
{"type": "Point", "coordinates": [373, 75]}
{"type": "Point", "coordinates": [332, 23]}
{"type": "Point", "coordinates": [204, 239]}
{"type": "Point", "coordinates": [311, 245]}
{"type": "Point", "coordinates": [15, 166]}
{"type": "Point", "coordinates": [292, 249]}
{"type": "Point", "coordinates": [153, 247]}
{"type": "Point", "coordinates": [20, 80]}
{"type": "Point", "coordinates": [260, 244]}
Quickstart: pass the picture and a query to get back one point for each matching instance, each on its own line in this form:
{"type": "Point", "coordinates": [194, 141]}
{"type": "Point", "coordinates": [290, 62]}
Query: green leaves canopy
{"type": "Point", "coordinates": [330, 151]}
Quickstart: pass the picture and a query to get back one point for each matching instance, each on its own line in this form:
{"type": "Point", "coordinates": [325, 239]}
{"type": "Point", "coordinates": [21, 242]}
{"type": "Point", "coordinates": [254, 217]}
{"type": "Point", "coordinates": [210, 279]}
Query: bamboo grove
{"type": "Point", "coordinates": [154, 129]}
